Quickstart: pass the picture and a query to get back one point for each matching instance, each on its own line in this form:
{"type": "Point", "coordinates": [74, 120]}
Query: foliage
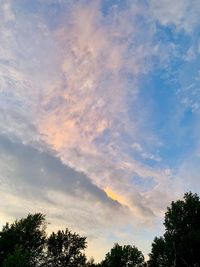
{"type": "Point", "coordinates": [65, 249]}
{"type": "Point", "coordinates": [18, 258]}
{"type": "Point", "coordinates": [180, 245]}
{"type": "Point", "coordinates": [123, 256]}
{"type": "Point", "coordinates": [26, 236]}
{"type": "Point", "coordinates": [91, 263]}
{"type": "Point", "coordinates": [24, 243]}
{"type": "Point", "coordinates": [158, 256]}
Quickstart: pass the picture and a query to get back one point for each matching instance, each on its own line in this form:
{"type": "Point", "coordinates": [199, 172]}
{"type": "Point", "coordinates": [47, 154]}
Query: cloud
{"type": "Point", "coordinates": [189, 175]}
{"type": "Point", "coordinates": [84, 115]}
{"type": "Point", "coordinates": [7, 11]}
{"type": "Point", "coordinates": [77, 119]}
{"type": "Point", "coordinates": [35, 181]}
{"type": "Point", "coordinates": [183, 14]}
{"type": "Point", "coordinates": [75, 92]}
{"type": "Point", "coordinates": [41, 171]}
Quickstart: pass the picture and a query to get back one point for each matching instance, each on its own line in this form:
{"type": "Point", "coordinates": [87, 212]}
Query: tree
{"type": "Point", "coordinates": [18, 258]}
{"type": "Point", "coordinates": [24, 237]}
{"type": "Point", "coordinates": [181, 241]}
{"type": "Point", "coordinates": [65, 249]}
{"type": "Point", "coordinates": [25, 243]}
{"type": "Point", "coordinates": [158, 256]}
{"type": "Point", "coordinates": [182, 223]}
{"type": "Point", "coordinates": [91, 263]}
{"type": "Point", "coordinates": [123, 256]}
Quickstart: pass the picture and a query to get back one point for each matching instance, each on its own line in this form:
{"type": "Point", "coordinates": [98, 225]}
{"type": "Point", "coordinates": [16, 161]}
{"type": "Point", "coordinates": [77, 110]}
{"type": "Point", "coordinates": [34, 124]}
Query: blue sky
{"type": "Point", "coordinates": [99, 114]}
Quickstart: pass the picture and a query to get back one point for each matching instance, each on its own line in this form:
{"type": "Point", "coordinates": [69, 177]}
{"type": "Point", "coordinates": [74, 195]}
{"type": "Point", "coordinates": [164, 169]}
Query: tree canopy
{"type": "Point", "coordinates": [123, 256]}
{"type": "Point", "coordinates": [25, 243]}
{"type": "Point", "coordinates": [180, 245]}
{"type": "Point", "coordinates": [23, 239]}
{"type": "Point", "coordinates": [65, 249]}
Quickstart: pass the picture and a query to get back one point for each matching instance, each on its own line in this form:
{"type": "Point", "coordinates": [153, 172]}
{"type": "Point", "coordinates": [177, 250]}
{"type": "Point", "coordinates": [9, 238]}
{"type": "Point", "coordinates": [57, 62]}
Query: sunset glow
{"type": "Point", "coordinates": [99, 114]}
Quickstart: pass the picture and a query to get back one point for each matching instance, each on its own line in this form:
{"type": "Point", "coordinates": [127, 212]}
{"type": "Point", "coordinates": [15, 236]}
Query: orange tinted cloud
{"type": "Point", "coordinates": [115, 196]}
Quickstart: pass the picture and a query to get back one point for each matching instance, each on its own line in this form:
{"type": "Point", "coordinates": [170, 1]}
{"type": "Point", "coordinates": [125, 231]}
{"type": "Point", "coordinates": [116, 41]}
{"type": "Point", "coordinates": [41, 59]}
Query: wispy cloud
{"type": "Point", "coordinates": [72, 97]}
{"type": "Point", "coordinates": [81, 111]}
{"type": "Point", "coordinates": [182, 14]}
{"type": "Point", "coordinates": [35, 181]}
{"type": "Point", "coordinates": [75, 91]}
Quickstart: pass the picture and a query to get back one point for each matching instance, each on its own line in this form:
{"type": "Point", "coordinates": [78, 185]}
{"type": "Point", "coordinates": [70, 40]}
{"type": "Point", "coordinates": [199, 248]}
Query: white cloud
{"type": "Point", "coordinates": [65, 89]}
{"type": "Point", "coordinates": [74, 92]}
{"type": "Point", "coordinates": [184, 14]}
{"type": "Point", "coordinates": [33, 181]}
{"type": "Point", "coordinates": [7, 11]}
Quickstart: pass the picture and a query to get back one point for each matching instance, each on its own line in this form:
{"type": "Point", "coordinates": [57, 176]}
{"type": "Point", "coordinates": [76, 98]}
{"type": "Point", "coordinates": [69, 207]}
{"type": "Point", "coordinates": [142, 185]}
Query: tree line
{"type": "Point", "coordinates": [25, 243]}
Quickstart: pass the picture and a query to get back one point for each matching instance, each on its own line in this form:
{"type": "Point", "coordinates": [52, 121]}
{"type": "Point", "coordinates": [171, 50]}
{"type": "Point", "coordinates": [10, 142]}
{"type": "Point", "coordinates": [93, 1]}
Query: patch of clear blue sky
{"type": "Point", "coordinates": [171, 121]}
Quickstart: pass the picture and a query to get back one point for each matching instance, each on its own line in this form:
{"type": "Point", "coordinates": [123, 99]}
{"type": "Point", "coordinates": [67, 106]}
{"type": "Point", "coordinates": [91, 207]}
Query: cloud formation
{"type": "Point", "coordinates": [182, 14]}
{"type": "Point", "coordinates": [35, 181]}
{"type": "Point", "coordinates": [78, 100]}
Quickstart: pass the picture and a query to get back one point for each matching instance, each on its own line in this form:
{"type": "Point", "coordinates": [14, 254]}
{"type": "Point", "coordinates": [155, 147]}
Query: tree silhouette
{"type": "Point", "coordinates": [26, 236]}
{"type": "Point", "coordinates": [180, 245]}
{"type": "Point", "coordinates": [18, 258]}
{"type": "Point", "coordinates": [91, 263]}
{"type": "Point", "coordinates": [123, 256]}
{"type": "Point", "coordinates": [65, 249]}
{"type": "Point", "coordinates": [159, 255]}
{"type": "Point", "coordinates": [24, 243]}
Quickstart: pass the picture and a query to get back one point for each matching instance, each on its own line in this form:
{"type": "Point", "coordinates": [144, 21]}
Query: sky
{"type": "Point", "coordinates": [99, 114]}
